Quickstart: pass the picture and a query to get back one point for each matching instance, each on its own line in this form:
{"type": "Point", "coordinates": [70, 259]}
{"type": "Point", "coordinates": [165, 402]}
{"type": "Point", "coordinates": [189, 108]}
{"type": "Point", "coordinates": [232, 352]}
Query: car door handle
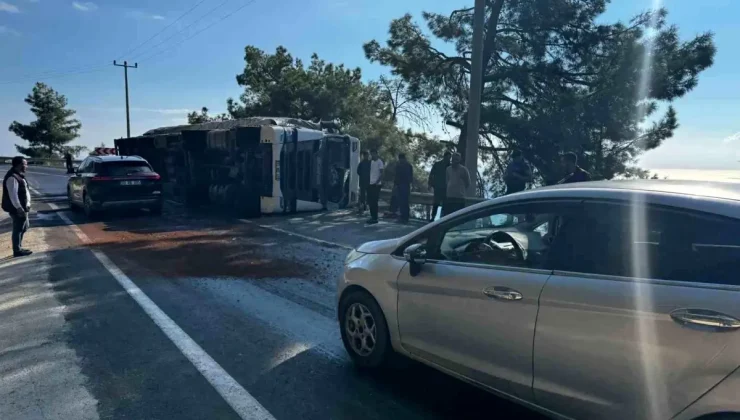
{"type": "Point", "coordinates": [502, 293]}
{"type": "Point", "coordinates": [705, 318]}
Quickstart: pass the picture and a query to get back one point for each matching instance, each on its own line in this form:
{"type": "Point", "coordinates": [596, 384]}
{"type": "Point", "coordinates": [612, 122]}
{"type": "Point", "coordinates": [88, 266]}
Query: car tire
{"type": "Point", "coordinates": [90, 212]}
{"type": "Point", "coordinates": [359, 315]}
{"type": "Point", "coordinates": [72, 205]}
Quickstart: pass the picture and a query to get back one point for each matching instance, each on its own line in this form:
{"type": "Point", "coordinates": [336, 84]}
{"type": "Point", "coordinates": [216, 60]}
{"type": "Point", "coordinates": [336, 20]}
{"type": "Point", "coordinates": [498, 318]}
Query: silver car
{"type": "Point", "coordinates": [599, 300]}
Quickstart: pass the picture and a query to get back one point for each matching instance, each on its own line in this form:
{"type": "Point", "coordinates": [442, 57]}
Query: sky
{"type": "Point", "coordinates": [71, 46]}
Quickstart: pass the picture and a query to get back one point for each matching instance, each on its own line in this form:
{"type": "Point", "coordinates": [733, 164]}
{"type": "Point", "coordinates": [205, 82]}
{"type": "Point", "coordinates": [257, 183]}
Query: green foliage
{"type": "Point", "coordinates": [383, 135]}
{"type": "Point", "coordinates": [203, 117]}
{"type": "Point", "coordinates": [279, 85]}
{"type": "Point", "coordinates": [554, 79]}
{"type": "Point", "coordinates": [75, 151]}
{"type": "Point", "coordinates": [54, 126]}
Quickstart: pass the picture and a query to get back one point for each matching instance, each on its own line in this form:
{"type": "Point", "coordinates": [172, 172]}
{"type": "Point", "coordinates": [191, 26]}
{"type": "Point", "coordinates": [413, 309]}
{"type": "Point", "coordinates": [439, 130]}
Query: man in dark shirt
{"type": "Point", "coordinates": [404, 178]}
{"type": "Point", "coordinates": [438, 183]}
{"type": "Point", "coordinates": [363, 172]}
{"type": "Point", "coordinates": [68, 162]}
{"type": "Point", "coordinates": [574, 172]}
{"type": "Point", "coordinates": [517, 173]}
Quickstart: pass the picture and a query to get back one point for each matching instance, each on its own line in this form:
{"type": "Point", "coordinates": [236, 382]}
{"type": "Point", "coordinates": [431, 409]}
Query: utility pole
{"type": "Point", "coordinates": [125, 78]}
{"type": "Point", "coordinates": [476, 82]}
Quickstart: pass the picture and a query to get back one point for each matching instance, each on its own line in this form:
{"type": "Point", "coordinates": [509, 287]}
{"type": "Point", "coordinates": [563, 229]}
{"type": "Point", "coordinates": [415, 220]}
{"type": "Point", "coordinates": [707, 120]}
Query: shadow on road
{"type": "Point", "coordinates": [412, 391]}
{"type": "Point", "coordinates": [133, 369]}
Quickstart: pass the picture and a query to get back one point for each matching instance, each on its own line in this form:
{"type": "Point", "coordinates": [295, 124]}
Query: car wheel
{"type": "Point", "coordinates": [72, 205]}
{"type": "Point", "coordinates": [364, 330]}
{"type": "Point", "coordinates": [88, 206]}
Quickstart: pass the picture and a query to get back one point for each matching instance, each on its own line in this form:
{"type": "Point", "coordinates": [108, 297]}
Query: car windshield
{"type": "Point", "coordinates": [125, 168]}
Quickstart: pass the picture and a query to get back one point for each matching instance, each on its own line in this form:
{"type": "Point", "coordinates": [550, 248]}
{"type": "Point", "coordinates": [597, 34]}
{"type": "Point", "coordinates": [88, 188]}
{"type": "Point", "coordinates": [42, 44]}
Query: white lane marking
{"type": "Point", "coordinates": [245, 405]}
{"type": "Point", "coordinates": [306, 237]}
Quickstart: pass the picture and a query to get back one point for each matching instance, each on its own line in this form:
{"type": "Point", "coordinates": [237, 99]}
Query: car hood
{"type": "Point", "coordinates": [385, 246]}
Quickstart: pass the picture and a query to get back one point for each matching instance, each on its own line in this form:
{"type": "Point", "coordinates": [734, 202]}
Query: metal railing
{"type": "Point", "coordinates": [426, 199]}
{"type": "Point", "coordinates": [55, 163]}
{"type": "Point", "coordinates": [421, 203]}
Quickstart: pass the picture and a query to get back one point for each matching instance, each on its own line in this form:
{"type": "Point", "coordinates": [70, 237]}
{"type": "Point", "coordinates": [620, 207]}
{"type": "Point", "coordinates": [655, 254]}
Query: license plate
{"type": "Point", "coordinates": [130, 182]}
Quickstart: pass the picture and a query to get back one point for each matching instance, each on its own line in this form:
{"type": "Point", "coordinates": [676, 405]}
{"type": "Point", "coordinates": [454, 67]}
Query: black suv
{"type": "Point", "coordinates": [107, 182]}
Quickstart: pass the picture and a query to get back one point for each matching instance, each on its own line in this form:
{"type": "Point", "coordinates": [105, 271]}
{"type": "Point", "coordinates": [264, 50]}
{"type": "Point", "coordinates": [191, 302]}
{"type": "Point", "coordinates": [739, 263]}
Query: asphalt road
{"type": "Point", "coordinates": [218, 320]}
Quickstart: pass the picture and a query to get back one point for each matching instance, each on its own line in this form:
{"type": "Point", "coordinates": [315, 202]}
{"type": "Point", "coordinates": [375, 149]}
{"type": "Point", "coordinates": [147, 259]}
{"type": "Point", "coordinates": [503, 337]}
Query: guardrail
{"type": "Point", "coordinates": [55, 163]}
{"type": "Point", "coordinates": [421, 203]}
{"type": "Point", "coordinates": [425, 199]}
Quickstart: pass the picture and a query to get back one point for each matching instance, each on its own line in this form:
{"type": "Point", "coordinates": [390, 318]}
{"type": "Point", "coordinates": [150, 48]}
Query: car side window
{"type": "Point", "coordinates": [510, 235]}
{"type": "Point", "coordinates": [650, 242]}
{"type": "Point", "coordinates": [83, 166]}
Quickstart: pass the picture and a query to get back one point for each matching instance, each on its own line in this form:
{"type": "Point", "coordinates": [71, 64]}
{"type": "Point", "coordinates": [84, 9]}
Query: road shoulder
{"type": "Point", "coordinates": [41, 377]}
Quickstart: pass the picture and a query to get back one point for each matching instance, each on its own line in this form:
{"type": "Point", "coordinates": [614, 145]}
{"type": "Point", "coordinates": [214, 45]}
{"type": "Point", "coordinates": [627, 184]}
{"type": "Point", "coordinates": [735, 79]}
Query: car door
{"type": "Point", "coordinates": [76, 181]}
{"type": "Point", "coordinates": [641, 315]}
{"type": "Point", "coordinates": [472, 307]}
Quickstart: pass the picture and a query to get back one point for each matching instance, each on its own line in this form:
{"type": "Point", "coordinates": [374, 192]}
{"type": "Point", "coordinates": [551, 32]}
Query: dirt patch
{"type": "Point", "coordinates": [208, 251]}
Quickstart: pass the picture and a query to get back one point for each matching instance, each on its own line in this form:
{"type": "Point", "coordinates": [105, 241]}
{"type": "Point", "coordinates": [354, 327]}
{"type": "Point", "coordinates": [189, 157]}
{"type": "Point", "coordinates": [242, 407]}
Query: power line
{"type": "Point", "coordinates": [94, 68]}
{"type": "Point", "coordinates": [182, 30]}
{"type": "Point", "coordinates": [54, 75]}
{"type": "Point", "coordinates": [200, 31]}
{"type": "Point", "coordinates": [165, 28]}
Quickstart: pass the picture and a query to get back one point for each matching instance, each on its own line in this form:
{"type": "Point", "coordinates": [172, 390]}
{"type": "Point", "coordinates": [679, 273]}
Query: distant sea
{"type": "Point", "coordinates": [724, 175]}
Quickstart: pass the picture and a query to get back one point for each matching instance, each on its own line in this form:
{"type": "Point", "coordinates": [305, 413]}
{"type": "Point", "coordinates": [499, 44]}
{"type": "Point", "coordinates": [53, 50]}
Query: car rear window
{"type": "Point", "coordinates": [125, 168]}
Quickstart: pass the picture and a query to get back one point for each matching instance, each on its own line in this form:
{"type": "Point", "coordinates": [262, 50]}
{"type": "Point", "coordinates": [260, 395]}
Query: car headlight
{"type": "Point", "coordinates": [353, 256]}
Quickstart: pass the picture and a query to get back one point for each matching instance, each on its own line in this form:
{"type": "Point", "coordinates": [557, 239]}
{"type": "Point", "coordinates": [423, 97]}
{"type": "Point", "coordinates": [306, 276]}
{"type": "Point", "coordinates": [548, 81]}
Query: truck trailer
{"type": "Point", "coordinates": [253, 166]}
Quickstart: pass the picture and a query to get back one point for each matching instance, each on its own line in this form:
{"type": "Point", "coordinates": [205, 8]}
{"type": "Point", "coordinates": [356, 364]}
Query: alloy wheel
{"type": "Point", "coordinates": [361, 329]}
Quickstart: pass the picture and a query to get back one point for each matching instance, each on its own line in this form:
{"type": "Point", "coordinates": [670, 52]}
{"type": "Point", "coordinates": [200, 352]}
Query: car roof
{"type": "Point", "coordinates": [719, 198]}
{"type": "Point", "coordinates": [710, 189]}
{"type": "Point", "coordinates": [109, 158]}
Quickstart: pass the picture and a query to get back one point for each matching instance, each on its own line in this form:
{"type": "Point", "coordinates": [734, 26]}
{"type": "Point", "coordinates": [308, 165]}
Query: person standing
{"type": "Point", "coordinates": [393, 205]}
{"type": "Point", "coordinates": [16, 201]}
{"type": "Point", "coordinates": [458, 181]}
{"type": "Point", "coordinates": [517, 173]}
{"type": "Point", "coordinates": [438, 183]}
{"type": "Point", "coordinates": [376, 180]}
{"type": "Point", "coordinates": [574, 172]}
{"type": "Point", "coordinates": [68, 162]}
{"type": "Point", "coordinates": [403, 180]}
{"type": "Point", "coordinates": [363, 172]}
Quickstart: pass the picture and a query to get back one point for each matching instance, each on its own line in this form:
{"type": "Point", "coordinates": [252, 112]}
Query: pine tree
{"type": "Point", "coordinates": [54, 127]}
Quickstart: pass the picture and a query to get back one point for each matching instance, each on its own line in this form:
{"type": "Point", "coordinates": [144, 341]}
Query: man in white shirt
{"type": "Point", "coordinates": [376, 180]}
{"type": "Point", "coordinates": [17, 202]}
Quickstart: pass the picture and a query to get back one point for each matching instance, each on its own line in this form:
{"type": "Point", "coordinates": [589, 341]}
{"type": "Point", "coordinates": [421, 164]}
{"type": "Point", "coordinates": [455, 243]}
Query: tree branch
{"type": "Point", "coordinates": [490, 41]}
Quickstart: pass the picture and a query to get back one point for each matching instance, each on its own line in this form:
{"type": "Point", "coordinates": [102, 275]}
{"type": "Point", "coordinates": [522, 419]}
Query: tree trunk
{"type": "Point", "coordinates": [462, 141]}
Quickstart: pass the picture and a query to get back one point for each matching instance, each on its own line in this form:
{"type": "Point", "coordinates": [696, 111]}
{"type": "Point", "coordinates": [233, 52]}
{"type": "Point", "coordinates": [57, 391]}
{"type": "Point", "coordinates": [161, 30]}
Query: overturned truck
{"type": "Point", "coordinates": [252, 166]}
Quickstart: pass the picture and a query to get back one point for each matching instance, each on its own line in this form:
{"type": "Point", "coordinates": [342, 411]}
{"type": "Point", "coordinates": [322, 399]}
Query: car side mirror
{"type": "Point", "coordinates": [416, 255]}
